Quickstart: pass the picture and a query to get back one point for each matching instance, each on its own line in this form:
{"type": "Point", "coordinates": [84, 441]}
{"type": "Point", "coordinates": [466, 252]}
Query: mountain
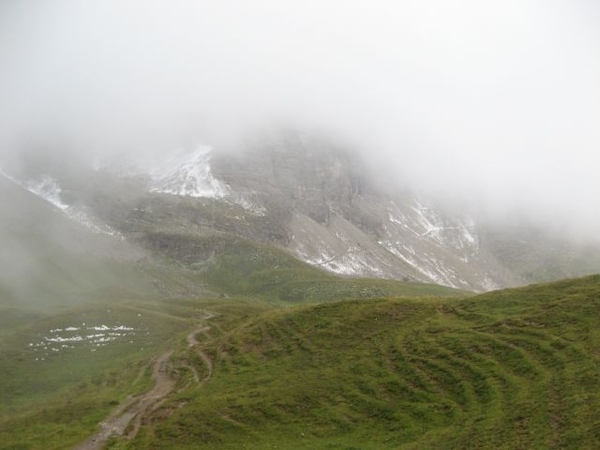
{"type": "Point", "coordinates": [194, 301]}
{"type": "Point", "coordinates": [314, 199]}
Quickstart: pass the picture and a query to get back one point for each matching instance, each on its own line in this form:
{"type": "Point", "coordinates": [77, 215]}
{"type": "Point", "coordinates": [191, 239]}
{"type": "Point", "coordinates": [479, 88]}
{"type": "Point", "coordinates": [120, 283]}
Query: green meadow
{"type": "Point", "coordinates": [511, 369]}
{"type": "Point", "coordinates": [302, 359]}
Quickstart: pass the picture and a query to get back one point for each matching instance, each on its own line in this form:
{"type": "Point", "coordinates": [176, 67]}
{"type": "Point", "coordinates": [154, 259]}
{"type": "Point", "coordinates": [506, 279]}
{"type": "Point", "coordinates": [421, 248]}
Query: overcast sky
{"type": "Point", "coordinates": [495, 100]}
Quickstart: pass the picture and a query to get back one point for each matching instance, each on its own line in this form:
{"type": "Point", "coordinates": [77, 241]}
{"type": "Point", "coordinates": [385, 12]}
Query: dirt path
{"type": "Point", "coordinates": [135, 409]}
{"type": "Point", "coordinates": [193, 341]}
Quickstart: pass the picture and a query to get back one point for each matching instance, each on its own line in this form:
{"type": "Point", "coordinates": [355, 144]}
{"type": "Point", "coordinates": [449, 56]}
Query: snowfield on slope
{"type": "Point", "coordinates": [187, 173]}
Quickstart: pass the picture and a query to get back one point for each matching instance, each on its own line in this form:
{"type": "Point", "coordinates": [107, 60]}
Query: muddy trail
{"type": "Point", "coordinates": [128, 417]}
{"type": "Point", "coordinates": [193, 341]}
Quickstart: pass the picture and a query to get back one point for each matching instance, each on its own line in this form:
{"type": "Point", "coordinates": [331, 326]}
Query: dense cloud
{"type": "Point", "coordinates": [495, 101]}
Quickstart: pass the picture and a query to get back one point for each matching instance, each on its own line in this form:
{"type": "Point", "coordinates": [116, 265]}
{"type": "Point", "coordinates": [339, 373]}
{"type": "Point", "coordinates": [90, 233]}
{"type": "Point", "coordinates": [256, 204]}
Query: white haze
{"type": "Point", "coordinates": [495, 102]}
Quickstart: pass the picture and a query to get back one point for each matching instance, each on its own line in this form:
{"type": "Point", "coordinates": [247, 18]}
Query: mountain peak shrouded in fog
{"type": "Point", "coordinates": [304, 194]}
{"type": "Point", "coordinates": [493, 103]}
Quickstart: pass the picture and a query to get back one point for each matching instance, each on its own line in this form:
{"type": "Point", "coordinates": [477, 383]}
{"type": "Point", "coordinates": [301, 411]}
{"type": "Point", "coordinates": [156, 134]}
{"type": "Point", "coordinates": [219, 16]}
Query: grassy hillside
{"type": "Point", "coordinates": [511, 369]}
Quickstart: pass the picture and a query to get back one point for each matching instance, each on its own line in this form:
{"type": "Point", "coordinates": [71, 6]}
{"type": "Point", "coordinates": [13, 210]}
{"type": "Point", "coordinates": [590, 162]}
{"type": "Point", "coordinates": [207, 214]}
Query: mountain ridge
{"type": "Point", "coordinates": [318, 201]}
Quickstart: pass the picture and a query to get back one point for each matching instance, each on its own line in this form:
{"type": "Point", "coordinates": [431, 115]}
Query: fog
{"type": "Point", "coordinates": [494, 103]}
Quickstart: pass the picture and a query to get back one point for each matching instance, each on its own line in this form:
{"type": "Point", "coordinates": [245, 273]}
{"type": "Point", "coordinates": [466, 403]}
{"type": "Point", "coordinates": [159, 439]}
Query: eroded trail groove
{"type": "Point", "coordinates": [131, 413]}
{"type": "Point", "coordinates": [193, 341]}
{"type": "Point", "coordinates": [135, 408]}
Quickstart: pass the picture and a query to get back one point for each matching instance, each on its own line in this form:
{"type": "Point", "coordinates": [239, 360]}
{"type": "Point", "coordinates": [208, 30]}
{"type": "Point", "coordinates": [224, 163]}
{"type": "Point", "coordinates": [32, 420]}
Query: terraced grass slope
{"type": "Point", "coordinates": [510, 369]}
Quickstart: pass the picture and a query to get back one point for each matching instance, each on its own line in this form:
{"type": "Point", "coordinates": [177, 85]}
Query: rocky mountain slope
{"type": "Point", "coordinates": [309, 196]}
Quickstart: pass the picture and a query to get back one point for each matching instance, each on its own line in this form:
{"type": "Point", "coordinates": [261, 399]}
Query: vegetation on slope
{"type": "Point", "coordinates": [512, 369]}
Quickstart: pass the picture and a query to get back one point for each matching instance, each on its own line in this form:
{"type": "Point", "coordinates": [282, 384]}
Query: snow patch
{"type": "Point", "coordinates": [250, 207]}
{"type": "Point", "coordinates": [60, 339]}
{"type": "Point", "coordinates": [426, 264]}
{"type": "Point", "coordinates": [48, 189]}
{"type": "Point", "coordinates": [490, 285]}
{"type": "Point", "coordinates": [90, 223]}
{"type": "Point", "coordinates": [187, 173]}
{"type": "Point", "coordinates": [352, 261]}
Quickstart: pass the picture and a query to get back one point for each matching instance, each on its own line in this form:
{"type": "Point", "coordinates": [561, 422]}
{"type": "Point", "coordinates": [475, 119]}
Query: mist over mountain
{"type": "Point", "coordinates": [490, 104]}
{"type": "Point", "coordinates": [453, 144]}
{"type": "Point", "coordinates": [307, 194]}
